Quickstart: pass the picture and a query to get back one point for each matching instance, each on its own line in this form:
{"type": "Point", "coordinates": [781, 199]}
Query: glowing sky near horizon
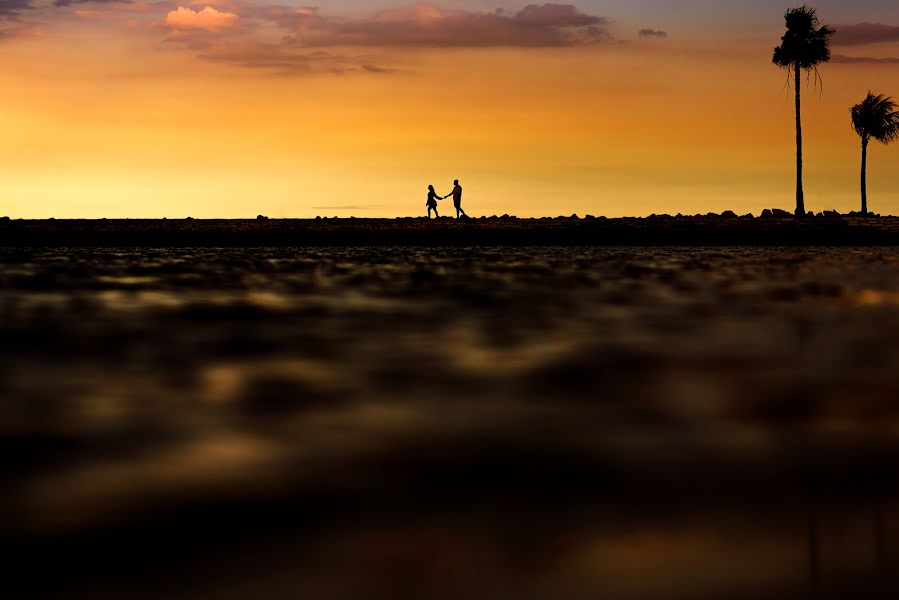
{"type": "Point", "coordinates": [231, 108]}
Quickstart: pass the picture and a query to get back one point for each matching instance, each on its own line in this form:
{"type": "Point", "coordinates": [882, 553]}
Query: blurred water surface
{"type": "Point", "coordinates": [445, 423]}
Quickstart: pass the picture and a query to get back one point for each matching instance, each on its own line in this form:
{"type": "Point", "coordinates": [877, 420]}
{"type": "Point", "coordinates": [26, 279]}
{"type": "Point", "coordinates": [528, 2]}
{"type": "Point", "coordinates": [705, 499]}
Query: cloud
{"type": "Point", "coordinates": [10, 8]}
{"type": "Point", "coordinates": [285, 58]}
{"type": "Point", "coordinates": [307, 36]}
{"type": "Point", "coordinates": [208, 19]}
{"type": "Point", "coordinates": [555, 15]}
{"type": "Point", "coordinates": [865, 33]}
{"type": "Point", "coordinates": [22, 32]}
{"type": "Point", "coordinates": [652, 34]}
{"type": "Point", "coordinates": [867, 60]}
{"type": "Point", "coordinates": [71, 2]}
{"type": "Point", "coordinates": [377, 69]}
{"type": "Point", "coordinates": [424, 25]}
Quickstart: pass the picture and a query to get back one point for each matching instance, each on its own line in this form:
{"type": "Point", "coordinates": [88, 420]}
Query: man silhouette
{"type": "Point", "coordinates": [457, 199]}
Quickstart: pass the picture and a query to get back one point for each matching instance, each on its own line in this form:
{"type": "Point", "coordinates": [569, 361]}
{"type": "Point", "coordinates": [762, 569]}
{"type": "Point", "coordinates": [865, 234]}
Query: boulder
{"type": "Point", "coordinates": [589, 217]}
{"type": "Point", "coordinates": [261, 218]}
{"type": "Point", "coordinates": [729, 214]}
{"type": "Point", "coordinates": [766, 214]}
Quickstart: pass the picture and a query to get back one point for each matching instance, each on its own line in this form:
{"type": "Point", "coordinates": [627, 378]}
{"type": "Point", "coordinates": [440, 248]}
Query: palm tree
{"type": "Point", "coordinates": [804, 46]}
{"type": "Point", "coordinates": [875, 118]}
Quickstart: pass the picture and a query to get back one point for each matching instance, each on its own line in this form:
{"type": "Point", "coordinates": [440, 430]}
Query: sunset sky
{"type": "Point", "coordinates": [231, 108]}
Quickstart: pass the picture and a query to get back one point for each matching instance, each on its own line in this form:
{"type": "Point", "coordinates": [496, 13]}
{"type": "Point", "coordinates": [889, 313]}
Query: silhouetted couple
{"type": "Point", "coordinates": [457, 200]}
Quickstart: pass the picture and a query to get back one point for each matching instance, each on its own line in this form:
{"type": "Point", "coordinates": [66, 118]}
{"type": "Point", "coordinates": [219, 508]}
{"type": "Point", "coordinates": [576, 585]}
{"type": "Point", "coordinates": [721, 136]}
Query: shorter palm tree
{"type": "Point", "coordinates": [875, 118]}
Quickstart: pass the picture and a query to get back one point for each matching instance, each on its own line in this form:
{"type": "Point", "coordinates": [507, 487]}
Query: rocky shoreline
{"type": "Point", "coordinates": [772, 227]}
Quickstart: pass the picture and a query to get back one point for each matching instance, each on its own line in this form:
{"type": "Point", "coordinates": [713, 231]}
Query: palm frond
{"type": "Point", "coordinates": [806, 43]}
{"type": "Point", "coordinates": [876, 118]}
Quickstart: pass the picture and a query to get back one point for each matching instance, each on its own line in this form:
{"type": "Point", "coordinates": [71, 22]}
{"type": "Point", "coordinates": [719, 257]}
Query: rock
{"type": "Point", "coordinates": [766, 214]}
{"type": "Point", "coordinates": [506, 218]}
{"type": "Point", "coordinates": [261, 218]}
{"type": "Point", "coordinates": [189, 219]}
{"type": "Point", "coordinates": [574, 217]}
{"type": "Point", "coordinates": [318, 218]}
{"type": "Point", "coordinates": [679, 216]}
{"type": "Point", "coordinates": [589, 217]}
{"type": "Point", "coordinates": [747, 216]}
{"type": "Point", "coordinates": [780, 214]}
{"type": "Point", "coordinates": [729, 214]}
{"type": "Point", "coordinates": [4, 218]}
{"type": "Point", "coordinates": [711, 214]}
{"type": "Point", "coordinates": [493, 218]}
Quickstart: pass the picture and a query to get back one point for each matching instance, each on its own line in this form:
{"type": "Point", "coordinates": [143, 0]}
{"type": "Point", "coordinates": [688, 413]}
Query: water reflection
{"type": "Point", "coordinates": [404, 423]}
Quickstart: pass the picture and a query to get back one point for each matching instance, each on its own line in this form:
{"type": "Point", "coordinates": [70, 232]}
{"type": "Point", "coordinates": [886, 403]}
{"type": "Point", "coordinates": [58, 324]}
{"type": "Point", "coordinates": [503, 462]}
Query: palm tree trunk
{"type": "Point", "coordinates": [800, 196]}
{"type": "Point", "coordinates": [864, 176]}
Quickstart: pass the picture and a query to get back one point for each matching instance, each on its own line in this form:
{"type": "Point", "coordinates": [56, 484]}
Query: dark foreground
{"type": "Point", "coordinates": [697, 230]}
{"type": "Point", "coordinates": [494, 423]}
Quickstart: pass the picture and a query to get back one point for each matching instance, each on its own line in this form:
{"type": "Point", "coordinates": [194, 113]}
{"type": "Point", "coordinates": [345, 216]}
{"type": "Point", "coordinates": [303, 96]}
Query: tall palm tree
{"type": "Point", "coordinates": [875, 118]}
{"type": "Point", "coordinates": [804, 46]}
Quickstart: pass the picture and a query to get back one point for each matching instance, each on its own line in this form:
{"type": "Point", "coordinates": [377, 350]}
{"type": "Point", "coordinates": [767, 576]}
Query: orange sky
{"type": "Point", "coordinates": [107, 110]}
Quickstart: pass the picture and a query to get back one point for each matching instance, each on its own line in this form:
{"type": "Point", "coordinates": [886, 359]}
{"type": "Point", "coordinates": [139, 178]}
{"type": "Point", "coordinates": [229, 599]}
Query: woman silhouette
{"type": "Point", "coordinates": [432, 201]}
